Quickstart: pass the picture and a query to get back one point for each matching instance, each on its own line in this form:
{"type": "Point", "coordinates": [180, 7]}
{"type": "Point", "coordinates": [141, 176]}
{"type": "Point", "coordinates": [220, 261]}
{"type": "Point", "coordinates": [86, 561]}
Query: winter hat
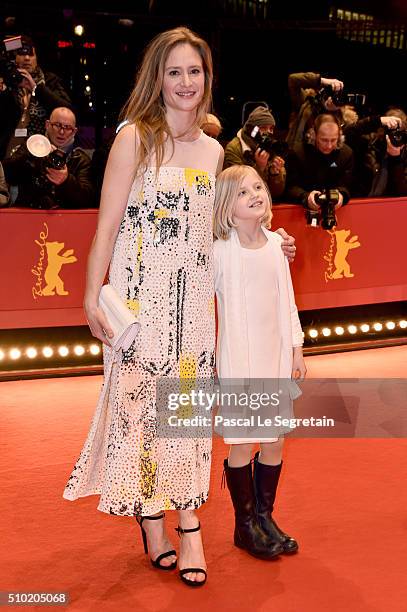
{"type": "Point", "coordinates": [259, 116]}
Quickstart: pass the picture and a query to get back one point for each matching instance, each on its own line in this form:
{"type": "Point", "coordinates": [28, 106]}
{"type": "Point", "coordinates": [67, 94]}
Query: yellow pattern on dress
{"type": "Point", "coordinates": [187, 382]}
{"type": "Point", "coordinates": [148, 473]}
{"type": "Point", "coordinates": [134, 306]}
{"type": "Point", "coordinates": [197, 177]}
{"type": "Point", "coordinates": [161, 213]}
{"type": "Point", "coordinates": [139, 250]}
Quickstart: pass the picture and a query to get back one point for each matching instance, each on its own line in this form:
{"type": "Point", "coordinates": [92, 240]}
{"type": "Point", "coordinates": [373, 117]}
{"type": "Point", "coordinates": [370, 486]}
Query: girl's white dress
{"type": "Point", "coordinates": [258, 323]}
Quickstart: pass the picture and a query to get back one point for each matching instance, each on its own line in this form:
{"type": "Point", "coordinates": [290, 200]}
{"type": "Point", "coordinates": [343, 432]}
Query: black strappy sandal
{"type": "Point", "coordinates": [157, 562]}
{"type": "Point", "coordinates": [188, 570]}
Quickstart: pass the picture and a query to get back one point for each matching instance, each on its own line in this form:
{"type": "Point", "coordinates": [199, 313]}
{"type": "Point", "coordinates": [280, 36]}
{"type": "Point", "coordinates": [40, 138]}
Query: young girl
{"type": "Point", "coordinates": [259, 337]}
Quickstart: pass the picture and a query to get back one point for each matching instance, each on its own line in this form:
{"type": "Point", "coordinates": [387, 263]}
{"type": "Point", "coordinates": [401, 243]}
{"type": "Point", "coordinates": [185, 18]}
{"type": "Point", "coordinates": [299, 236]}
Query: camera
{"type": "Point", "coordinates": [56, 159]}
{"type": "Point", "coordinates": [44, 157]}
{"type": "Point", "coordinates": [326, 200]}
{"type": "Point", "coordinates": [268, 143]}
{"type": "Point", "coordinates": [397, 136]}
{"type": "Point", "coordinates": [341, 97]}
{"type": "Point", "coordinates": [39, 146]}
{"type": "Point", "coordinates": [11, 75]}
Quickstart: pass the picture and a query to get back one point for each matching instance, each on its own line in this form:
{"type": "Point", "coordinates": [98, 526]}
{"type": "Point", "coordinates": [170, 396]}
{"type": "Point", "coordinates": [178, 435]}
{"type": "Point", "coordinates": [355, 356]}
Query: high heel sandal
{"type": "Point", "coordinates": [189, 570]}
{"type": "Point", "coordinates": [157, 562]}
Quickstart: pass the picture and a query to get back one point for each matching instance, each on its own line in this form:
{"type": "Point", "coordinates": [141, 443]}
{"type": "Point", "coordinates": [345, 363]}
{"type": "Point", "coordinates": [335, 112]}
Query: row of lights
{"type": "Point", "coordinates": [47, 352]}
{"type": "Point", "coordinates": [94, 349]}
{"type": "Point", "coordinates": [339, 330]}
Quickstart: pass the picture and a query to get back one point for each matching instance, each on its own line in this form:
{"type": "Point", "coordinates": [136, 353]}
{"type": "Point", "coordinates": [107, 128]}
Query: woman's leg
{"type": "Point", "coordinates": [158, 541]}
{"type": "Point", "coordinates": [191, 547]}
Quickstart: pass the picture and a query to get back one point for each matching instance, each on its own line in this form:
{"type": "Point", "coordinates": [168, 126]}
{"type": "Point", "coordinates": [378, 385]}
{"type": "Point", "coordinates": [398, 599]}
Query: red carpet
{"type": "Point", "coordinates": [344, 500]}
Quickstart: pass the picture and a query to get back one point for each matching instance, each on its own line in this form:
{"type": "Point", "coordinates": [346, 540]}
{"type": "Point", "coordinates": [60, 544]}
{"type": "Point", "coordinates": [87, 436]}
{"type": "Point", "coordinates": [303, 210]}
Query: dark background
{"type": "Point", "coordinates": [255, 46]}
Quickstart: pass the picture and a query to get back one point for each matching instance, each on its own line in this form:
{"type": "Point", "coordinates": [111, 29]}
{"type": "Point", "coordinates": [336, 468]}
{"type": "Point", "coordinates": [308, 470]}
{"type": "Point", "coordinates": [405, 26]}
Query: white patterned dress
{"type": "Point", "coordinates": [162, 266]}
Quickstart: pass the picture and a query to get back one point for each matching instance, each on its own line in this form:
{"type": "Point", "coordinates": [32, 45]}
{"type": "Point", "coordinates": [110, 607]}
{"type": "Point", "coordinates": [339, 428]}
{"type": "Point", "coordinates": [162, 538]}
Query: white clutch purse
{"type": "Point", "coordinates": [124, 325]}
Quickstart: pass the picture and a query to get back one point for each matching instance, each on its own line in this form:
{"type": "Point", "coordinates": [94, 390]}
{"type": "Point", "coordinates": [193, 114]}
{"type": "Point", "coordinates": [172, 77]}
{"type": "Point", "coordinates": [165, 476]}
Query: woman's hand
{"type": "Point", "coordinates": [299, 369]}
{"type": "Point", "coordinates": [288, 244]}
{"type": "Point", "coordinates": [98, 323]}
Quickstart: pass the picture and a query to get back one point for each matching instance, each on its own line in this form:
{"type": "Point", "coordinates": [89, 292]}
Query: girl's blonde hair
{"type": "Point", "coordinates": [228, 183]}
{"type": "Point", "coordinates": [145, 106]}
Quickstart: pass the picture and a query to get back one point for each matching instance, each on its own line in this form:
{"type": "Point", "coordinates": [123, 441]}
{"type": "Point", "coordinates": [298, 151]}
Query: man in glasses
{"type": "Point", "coordinates": [41, 182]}
{"type": "Point", "coordinates": [24, 106]}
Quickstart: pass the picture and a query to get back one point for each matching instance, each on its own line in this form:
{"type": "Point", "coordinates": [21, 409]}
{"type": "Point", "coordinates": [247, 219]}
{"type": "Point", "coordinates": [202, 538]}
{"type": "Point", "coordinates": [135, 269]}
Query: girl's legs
{"type": "Point", "coordinates": [267, 468]}
{"type": "Point", "coordinates": [158, 541]}
{"type": "Point", "coordinates": [191, 548]}
{"type": "Point", "coordinates": [239, 455]}
{"type": "Point", "coordinates": [271, 452]}
{"type": "Point", "coordinates": [248, 534]}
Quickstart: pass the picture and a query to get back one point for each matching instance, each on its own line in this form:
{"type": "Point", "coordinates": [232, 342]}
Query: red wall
{"type": "Point", "coordinates": [43, 282]}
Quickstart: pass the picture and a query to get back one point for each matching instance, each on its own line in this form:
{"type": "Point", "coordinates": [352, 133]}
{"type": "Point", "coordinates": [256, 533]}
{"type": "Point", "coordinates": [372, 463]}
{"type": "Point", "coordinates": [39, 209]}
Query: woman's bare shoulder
{"type": "Point", "coordinates": [125, 145]}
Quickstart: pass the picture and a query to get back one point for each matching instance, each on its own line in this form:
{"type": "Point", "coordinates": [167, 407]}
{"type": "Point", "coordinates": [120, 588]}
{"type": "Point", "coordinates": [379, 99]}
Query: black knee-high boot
{"type": "Point", "coordinates": [265, 485]}
{"type": "Point", "coordinates": [248, 534]}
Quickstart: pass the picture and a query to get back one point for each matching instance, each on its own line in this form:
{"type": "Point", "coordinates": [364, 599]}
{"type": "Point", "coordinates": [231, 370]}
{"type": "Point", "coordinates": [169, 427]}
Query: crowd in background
{"type": "Point", "coordinates": [327, 147]}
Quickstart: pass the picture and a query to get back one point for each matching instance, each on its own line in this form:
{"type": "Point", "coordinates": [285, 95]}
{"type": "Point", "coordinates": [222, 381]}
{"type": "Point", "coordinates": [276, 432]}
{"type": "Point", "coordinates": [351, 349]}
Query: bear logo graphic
{"type": "Point", "coordinates": [56, 260]}
{"type": "Point", "coordinates": [342, 267]}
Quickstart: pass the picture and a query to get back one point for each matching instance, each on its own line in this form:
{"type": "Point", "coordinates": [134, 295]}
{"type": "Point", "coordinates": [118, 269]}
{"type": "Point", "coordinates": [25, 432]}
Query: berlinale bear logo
{"type": "Point", "coordinates": [338, 266]}
{"type": "Point", "coordinates": [48, 280]}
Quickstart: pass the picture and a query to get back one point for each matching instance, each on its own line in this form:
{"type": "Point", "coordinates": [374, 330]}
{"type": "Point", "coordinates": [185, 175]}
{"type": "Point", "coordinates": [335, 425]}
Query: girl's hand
{"type": "Point", "coordinates": [299, 369]}
{"type": "Point", "coordinates": [98, 323]}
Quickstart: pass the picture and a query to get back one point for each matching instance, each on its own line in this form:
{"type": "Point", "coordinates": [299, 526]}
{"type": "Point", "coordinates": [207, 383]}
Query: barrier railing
{"type": "Point", "coordinates": [362, 261]}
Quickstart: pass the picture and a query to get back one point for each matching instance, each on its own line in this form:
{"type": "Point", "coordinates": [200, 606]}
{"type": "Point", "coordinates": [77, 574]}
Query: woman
{"type": "Point", "coordinates": [155, 230]}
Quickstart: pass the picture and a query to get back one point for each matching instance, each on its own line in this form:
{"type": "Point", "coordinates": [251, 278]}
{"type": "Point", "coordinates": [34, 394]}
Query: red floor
{"type": "Point", "coordinates": [344, 500]}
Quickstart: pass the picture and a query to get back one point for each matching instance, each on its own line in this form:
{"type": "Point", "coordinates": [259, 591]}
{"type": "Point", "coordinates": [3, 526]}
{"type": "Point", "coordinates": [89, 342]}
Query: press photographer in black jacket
{"type": "Point", "coordinates": [42, 186]}
{"type": "Point", "coordinates": [25, 107]}
{"type": "Point", "coordinates": [324, 162]}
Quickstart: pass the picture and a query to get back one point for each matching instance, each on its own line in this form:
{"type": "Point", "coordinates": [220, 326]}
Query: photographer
{"type": "Point", "coordinates": [323, 163]}
{"type": "Point", "coordinates": [307, 102]}
{"type": "Point", "coordinates": [25, 105]}
{"type": "Point", "coordinates": [41, 182]}
{"type": "Point", "coordinates": [397, 156]}
{"type": "Point", "coordinates": [244, 149]}
{"type": "Point", "coordinates": [4, 195]}
{"type": "Point", "coordinates": [380, 155]}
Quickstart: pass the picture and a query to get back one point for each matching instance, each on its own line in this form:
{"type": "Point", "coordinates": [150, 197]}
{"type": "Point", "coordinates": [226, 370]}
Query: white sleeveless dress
{"type": "Point", "coordinates": [162, 266]}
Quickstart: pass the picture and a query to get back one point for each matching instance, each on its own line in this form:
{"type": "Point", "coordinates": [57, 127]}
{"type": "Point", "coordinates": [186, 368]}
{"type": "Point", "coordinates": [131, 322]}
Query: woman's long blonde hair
{"type": "Point", "coordinates": [228, 183]}
{"type": "Point", "coordinates": [145, 107]}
